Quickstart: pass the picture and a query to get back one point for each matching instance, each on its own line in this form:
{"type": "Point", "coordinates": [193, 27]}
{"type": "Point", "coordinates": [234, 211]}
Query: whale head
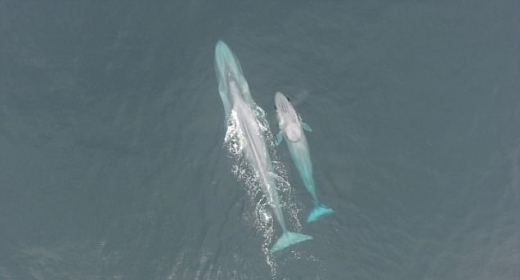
{"type": "Point", "coordinates": [288, 119]}
{"type": "Point", "coordinates": [232, 85]}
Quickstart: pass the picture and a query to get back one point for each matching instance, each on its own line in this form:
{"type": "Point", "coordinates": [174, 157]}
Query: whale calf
{"type": "Point", "coordinates": [291, 129]}
{"type": "Point", "coordinates": [247, 119]}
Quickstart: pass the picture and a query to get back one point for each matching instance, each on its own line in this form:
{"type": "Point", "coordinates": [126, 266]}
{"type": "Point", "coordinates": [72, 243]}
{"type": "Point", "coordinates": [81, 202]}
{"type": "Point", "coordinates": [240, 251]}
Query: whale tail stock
{"type": "Point", "coordinates": [319, 211]}
{"type": "Point", "coordinates": [289, 238]}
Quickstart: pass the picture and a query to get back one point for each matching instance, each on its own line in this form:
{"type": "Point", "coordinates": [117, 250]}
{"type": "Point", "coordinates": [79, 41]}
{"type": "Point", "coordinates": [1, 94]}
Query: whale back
{"type": "Point", "coordinates": [293, 132]}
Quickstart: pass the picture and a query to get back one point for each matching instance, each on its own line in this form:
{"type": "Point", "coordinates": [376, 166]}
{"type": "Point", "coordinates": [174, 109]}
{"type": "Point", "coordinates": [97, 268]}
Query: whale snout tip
{"type": "Point", "coordinates": [222, 49]}
{"type": "Point", "coordinates": [279, 97]}
{"type": "Point", "coordinates": [220, 43]}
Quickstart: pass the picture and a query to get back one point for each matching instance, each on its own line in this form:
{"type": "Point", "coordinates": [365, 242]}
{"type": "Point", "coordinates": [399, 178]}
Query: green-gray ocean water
{"type": "Point", "coordinates": [112, 164]}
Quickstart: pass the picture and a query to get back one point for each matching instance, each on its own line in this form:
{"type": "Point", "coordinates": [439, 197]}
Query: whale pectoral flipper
{"type": "Point", "coordinates": [289, 238]}
{"type": "Point", "coordinates": [279, 137]}
{"type": "Point", "coordinates": [318, 211]}
{"type": "Point", "coordinates": [306, 127]}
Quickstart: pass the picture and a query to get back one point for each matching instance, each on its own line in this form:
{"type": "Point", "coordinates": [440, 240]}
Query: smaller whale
{"type": "Point", "coordinates": [291, 129]}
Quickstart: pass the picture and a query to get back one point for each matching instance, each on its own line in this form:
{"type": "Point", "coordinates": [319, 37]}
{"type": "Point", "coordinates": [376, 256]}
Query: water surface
{"type": "Point", "coordinates": [112, 163]}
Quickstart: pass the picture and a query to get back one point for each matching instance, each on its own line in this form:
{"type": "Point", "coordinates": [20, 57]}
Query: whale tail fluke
{"type": "Point", "coordinates": [319, 211]}
{"type": "Point", "coordinates": [289, 238]}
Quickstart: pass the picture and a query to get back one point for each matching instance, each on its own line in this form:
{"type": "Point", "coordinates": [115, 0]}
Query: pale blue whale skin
{"type": "Point", "coordinates": [291, 129]}
{"type": "Point", "coordinates": [229, 71]}
{"type": "Point", "coordinates": [236, 98]}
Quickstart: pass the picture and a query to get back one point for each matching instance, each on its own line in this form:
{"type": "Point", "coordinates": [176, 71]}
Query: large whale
{"type": "Point", "coordinates": [291, 129]}
{"type": "Point", "coordinates": [241, 109]}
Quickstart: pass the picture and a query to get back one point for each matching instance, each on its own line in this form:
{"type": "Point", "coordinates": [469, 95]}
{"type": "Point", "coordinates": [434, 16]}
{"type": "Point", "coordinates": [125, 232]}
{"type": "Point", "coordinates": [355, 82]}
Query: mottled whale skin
{"type": "Point", "coordinates": [291, 129]}
{"type": "Point", "coordinates": [238, 104]}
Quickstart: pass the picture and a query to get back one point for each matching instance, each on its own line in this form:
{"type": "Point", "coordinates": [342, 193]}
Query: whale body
{"type": "Point", "coordinates": [247, 116]}
{"type": "Point", "coordinates": [291, 129]}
